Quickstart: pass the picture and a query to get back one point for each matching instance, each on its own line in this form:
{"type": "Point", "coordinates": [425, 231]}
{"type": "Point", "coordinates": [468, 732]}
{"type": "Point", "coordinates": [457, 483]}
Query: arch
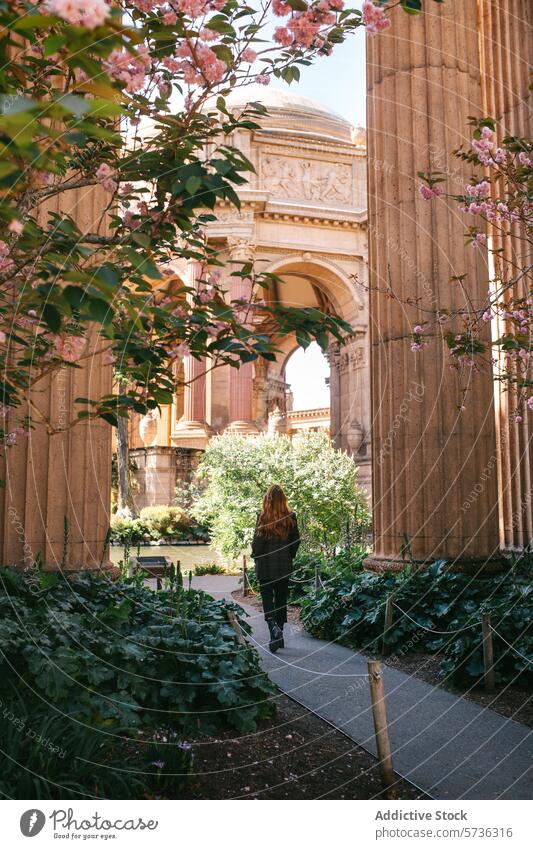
{"type": "Point", "coordinates": [326, 274]}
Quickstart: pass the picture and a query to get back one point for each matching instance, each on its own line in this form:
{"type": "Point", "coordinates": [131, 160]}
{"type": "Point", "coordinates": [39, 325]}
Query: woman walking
{"type": "Point", "coordinates": [275, 543]}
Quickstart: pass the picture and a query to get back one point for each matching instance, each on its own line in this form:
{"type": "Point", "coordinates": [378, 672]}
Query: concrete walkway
{"type": "Point", "coordinates": [450, 747]}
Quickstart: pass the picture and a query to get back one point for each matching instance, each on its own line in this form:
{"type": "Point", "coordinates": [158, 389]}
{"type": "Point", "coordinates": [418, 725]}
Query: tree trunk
{"type": "Point", "coordinates": [125, 503]}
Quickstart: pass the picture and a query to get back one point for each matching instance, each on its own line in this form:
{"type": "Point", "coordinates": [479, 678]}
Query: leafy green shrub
{"type": "Point", "coordinates": [156, 523]}
{"type": "Point", "coordinates": [351, 610]}
{"type": "Point", "coordinates": [119, 661]}
{"type": "Point", "coordinates": [208, 569]}
{"type": "Point", "coordinates": [51, 755]}
{"type": "Point", "coordinates": [165, 521]}
{"type": "Point", "coordinates": [320, 482]}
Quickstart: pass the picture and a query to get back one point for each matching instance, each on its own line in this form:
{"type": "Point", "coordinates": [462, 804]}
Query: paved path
{"type": "Point", "coordinates": [450, 747]}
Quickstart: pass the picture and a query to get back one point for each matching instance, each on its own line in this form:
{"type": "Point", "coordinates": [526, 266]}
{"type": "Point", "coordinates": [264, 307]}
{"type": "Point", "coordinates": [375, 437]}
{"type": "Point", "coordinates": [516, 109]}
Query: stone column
{"type": "Point", "coordinates": [335, 393]}
{"type": "Point", "coordinates": [507, 56]}
{"type": "Point", "coordinates": [191, 431]}
{"type": "Point", "coordinates": [434, 466]}
{"type": "Point", "coordinates": [56, 501]}
{"type": "Point", "coordinates": [241, 383]}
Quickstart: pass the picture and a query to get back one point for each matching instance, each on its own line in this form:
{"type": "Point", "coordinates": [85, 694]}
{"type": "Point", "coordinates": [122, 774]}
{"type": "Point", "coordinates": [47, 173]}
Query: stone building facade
{"type": "Point", "coordinates": [303, 217]}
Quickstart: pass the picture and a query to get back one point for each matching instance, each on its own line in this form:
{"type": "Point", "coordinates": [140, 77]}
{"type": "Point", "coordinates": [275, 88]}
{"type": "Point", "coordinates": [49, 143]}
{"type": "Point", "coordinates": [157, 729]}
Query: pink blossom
{"type": "Point", "coordinates": [499, 156]}
{"type": "Point", "coordinates": [103, 174]}
{"type": "Point", "coordinates": [418, 328]}
{"type": "Point", "coordinates": [478, 239]}
{"type": "Point", "coordinates": [208, 34]}
{"type": "Point", "coordinates": [418, 346]}
{"type": "Point", "coordinates": [479, 190]}
{"type": "Point", "coordinates": [280, 8]}
{"type": "Point", "coordinates": [429, 192]}
{"type": "Point", "coordinates": [249, 55]}
{"type": "Point", "coordinates": [84, 13]}
{"type": "Point", "coordinates": [15, 226]}
{"type": "Point", "coordinates": [374, 18]}
{"type": "Point", "coordinates": [130, 70]}
{"type": "Point", "coordinates": [69, 348]}
{"type": "Point", "coordinates": [443, 318]}
{"type": "Point", "coordinates": [283, 36]}
{"type": "Point", "coordinates": [529, 402]}
{"type": "Point", "coordinates": [169, 18]}
{"type": "Point", "coordinates": [525, 159]}
{"type": "Point", "coordinates": [488, 315]}
{"type": "Point", "coordinates": [263, 79]}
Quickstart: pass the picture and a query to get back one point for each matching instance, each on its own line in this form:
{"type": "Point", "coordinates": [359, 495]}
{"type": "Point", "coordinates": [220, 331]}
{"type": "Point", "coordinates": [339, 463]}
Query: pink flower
{"type": "Point", "coordinates": [263, 79]}
{"type": "Point", "coordinates": [374, 18]}
{"type": "Point", "coordinates": [130, 70]}
{"type": "Point", "coordinates": [529, 402]}
{"type": "Point", "coordinates": [15, 226]}
{"type": "Point", "coordinates": [84, 13]}
{"type": "Point", "coordinates": [418, 328]}
{"type": "Point", "coordinates": [525, 159]}
{"type": "Point", "coordinates": [283, 36]}
{"type": "Point", "coordinates": [479, 190]}
{"type": "Point", "coordinates": [69, 348]}
{"type": "Point", "coordinates": [103, 174]}
{"type": "Point", "coordinates": [478, 239]}
{"type": "Point", "coordinates": [418, 346]}
{"type": "Point", "coordinates": [488, 315]}
{"type": "Point", "coordinates": [429, 192]}
{"type": "Point", "coordinates": [280, 8]}
{"type": "Point", "coordinates": [249, 55]}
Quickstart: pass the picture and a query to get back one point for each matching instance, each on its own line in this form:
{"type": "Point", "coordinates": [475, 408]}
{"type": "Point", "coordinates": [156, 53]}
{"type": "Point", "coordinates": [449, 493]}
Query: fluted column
{"type": "Point", "coordinates": [507, 58]}
{"type": "Point", "coordinates": [241, 383]}
{"type": "Point", "coordinates": [434, 476]}
{"type": "Point", "coordinates": [56, 501]}
{"type": "Point", "coordinates": [191, 430]}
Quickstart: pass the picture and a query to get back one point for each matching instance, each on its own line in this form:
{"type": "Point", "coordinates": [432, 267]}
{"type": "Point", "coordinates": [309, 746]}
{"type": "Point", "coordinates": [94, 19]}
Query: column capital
{"type": "Point", "coordinates": [241, 249]}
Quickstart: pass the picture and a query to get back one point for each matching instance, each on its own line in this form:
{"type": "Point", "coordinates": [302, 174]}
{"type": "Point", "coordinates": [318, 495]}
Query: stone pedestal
{"type": "Point", "coordinates": [432, 484]}
{"type": "Point", "coordinates": [155, 475]}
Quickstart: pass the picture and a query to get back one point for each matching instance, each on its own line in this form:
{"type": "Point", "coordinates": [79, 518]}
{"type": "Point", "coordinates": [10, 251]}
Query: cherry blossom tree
{"type": "Point", "coordinates": [128, 99]}
{"type": "Point", "coordinates": [498, 209]}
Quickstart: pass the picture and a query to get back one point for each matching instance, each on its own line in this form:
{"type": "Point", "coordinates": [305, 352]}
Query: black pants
{"type": "Point", "coordinates": [274, 598]}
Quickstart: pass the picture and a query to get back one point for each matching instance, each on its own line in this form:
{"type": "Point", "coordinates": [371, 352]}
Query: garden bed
{"type": "Point", "coordinates": [294, 756]}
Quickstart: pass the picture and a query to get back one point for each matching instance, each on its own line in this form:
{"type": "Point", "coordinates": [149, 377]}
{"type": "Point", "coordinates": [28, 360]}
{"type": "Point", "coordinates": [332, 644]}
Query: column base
{"type": "Point", "coordinates": [243, 428]}
{"type": "Point", "coordinates": [475, 566]}
{"type": "Point", "coordinates": [190, 434]}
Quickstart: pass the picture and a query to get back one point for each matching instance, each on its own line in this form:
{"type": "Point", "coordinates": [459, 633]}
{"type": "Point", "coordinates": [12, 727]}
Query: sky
{"type": "Point", "coordinates": [338, 81]}
{"type": "Point", "coordinates": [306, 372]}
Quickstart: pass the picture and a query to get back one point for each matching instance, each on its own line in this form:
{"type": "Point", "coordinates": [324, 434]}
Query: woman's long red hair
{"type": "Point", "coordinates": [276, 519]}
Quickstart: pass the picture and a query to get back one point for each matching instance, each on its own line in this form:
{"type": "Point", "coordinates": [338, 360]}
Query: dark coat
{"type": "Point", "coordinates": [273, 556]}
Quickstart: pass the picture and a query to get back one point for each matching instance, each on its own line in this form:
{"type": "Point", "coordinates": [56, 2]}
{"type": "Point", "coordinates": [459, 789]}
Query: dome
{"type": "Point", "coordinates": [292, 113]}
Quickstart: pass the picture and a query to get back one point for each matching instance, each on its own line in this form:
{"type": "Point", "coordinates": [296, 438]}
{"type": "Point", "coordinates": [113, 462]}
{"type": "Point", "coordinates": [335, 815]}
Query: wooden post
{"type": "Point", "coordinates": [488, 653]}
{"type": "Point", "coordinates": [234, 622]}
{"type": "Point", "coordinates": [379, 711]}
{"type": "Point", "coordinates": [245, 582]}
{"type": "Point", "coordinates": [387, 625]}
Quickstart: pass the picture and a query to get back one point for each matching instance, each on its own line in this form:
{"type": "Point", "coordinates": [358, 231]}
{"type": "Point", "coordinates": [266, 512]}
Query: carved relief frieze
{"type": "Point", "coordinates": [307, 179]}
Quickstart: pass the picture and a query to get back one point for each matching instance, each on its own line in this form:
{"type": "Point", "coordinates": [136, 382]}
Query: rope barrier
{"type": "Point", "coordinates": [432, 630]}
{"type": "Point", "coordinates": [494, 631]}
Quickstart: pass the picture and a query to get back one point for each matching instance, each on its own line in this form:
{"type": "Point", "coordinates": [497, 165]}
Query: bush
{"type": "Point", "coordinates": [208, 569]}
{"type": "Point", "coordinates": [165, 521]}
{"type": "Point", "coordinates": [351, 610]}
{"type": "Point", "coordinates": [320, 483]}
{"type": "Point", "coordinates": [112, 672]}
{"type": "Point", "coordinates": [156, 523]}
